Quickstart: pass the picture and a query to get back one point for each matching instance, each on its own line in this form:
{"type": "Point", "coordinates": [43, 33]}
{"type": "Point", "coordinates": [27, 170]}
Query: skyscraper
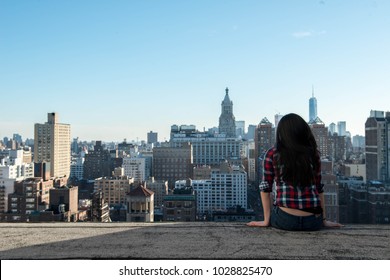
{"type": "Point", "coordinates": [377, 146]}
{"type": "Point", "coordinates": [312, 107]}
{"type": "Point", "coordinates": [342, 128]}
{"type": "Point", "coordinates": [97, 163]}
{"type": "Point", "coordinates": [278, 117]}
{"type": "Point", "coordinates": [320, 132]}
{"type": "Point", "coordinates": [240, 129]}
{"type": "Point", "coordinates": [264, 139]}
{"type": "Point", "coordinates": [227, 121]}
{"type": "Point", "coordinates": [152, 137]}
{"type": "Point", "coordinates": [52, 144]}
{"type": "Point", "coordinates": [332, 128]}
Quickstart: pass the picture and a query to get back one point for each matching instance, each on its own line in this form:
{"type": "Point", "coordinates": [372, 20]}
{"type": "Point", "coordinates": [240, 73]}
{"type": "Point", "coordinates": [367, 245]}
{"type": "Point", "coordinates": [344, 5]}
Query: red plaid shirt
{"type": "Point", "coordinates": [286, 195]}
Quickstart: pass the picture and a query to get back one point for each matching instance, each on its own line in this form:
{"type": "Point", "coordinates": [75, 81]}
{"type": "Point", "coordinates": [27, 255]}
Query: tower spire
{"type": "Point", "coordinates": [312, 90]}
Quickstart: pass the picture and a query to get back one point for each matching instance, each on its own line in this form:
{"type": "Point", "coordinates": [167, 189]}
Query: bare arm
{"type": "Point", "coordinates": [266, 201]}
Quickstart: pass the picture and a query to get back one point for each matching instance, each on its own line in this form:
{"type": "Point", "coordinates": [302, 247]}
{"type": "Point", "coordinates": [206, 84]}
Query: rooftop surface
{"type": "Point", "coordinates": [189, 241]}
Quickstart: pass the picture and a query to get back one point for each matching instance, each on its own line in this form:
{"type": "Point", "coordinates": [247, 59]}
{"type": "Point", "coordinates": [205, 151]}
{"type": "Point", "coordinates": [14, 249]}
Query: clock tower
{"type": "Point", "coordinates": [227, 121]}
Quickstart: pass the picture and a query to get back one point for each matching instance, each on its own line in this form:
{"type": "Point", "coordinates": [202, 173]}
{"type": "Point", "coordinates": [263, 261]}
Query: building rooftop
{"type": "Point", "coordinates": [141, 191]}
{"type": "Point", "coordinates": [198, 240]}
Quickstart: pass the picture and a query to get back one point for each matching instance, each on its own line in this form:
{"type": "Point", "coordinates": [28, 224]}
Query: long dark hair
{"type": "Point", "coordinates": [298, 156]}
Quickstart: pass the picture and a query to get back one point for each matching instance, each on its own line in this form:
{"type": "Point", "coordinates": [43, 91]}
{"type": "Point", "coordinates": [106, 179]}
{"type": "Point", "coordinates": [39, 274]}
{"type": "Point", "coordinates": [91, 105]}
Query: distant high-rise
{"type": "Point", "coordinates": [240, 128]}
{"type": "Point", "coordinates": [342, 128]}
{"type": "Point", "coordinates": [278, 117]}
{"type": "Point", "coordinates": [98, 163]}
{"type": "Point", "coordinates": [152, 137]}
{"type": "Point", "coordinates": [377, 146]}
{"type": "Point", "coordinates": [173, 163]}
{"type": "Point", "coordinates": [264, 140]}
{"type": "Point", "coordinates": [312, 107]}
{"type": "Point", "coordinates": [358, 141]}
{"type": "Point", "coordinates": [320, 132]}
{"type": "Point", "coordinates": [251, 131]}
{"type": "Point", "coordinates": [52, 144]}
{"type": "Point", "coordinates": [17, 137]}
{"type": "Point", "coordinates": [332, 128]}
{"type": "Point", "coordinates": [135, 168]}
{"type": "Point", "coordinates": [227, 121]}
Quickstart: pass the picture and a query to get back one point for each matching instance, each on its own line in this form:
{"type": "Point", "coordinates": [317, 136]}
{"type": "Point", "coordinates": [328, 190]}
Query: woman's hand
{"type": "Point", "coordinates": [330, 224]}
{"type": "Point", "coordinates": [258, 224]}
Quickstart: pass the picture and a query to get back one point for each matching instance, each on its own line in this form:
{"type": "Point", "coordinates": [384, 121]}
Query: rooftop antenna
{"type": "Point", "coordinates": [312, 90]}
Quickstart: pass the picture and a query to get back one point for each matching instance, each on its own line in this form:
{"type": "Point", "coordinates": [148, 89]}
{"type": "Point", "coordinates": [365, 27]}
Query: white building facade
{"type": "Point", "coordinates": [12, 168]}
{"type": "Point", "coordinates": [224, 190]}
{"type": "Point", "coordinates": [134, 167]}
{"type": "Point", "coordinates": [206, 148]}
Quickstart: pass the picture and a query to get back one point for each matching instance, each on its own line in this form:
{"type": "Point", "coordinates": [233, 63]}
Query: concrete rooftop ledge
{"type": "Point", "coordinates": [188, 241]}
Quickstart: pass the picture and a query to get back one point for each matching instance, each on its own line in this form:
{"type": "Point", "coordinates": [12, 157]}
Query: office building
{"type": "Point", "coordinates": [332, 128]}
{"type": "Point", "coordinates": [320, 132]}
{"type": "Point", "coordinates": [172, 163]}
{"type": "Point", "coordinates": [358, 141]}
{"type": "Point", "coordinates": [331, 195]}
{"type": "Point", "coordinates": [75, 148]}
{"type": "Point", "coordinates": [264, 140]}
{"type": "Point", "coordinates": [12, 169]}
{"type": "Point", "coordinates": [52, 145]}
{"type": "Point", "coordinates": [152, 137]}
{"type": "Point", "coordinates": [180, 206]}
{"type": "Point", "coordinates": [207, 148]}
{"type": "Point", "coordinates": [114, 189]}
{"type": "Point", "coordinates": [240, 129]}
{"type": "Point", "coordinates": [31, 195]}
{"type": "Point", "coordinates": [77, 168]}
{"type": "Point", "coordinates": [377, 129]}
{"type": "Point", "coordinates": [250, 135]}
{"type": "Point", "coordinates": [127, 149]}
{"type": "Point", "coordinates": [337, 147]}
{"type": "Point", "coordinates": [225, 189]}
{"type": "Point", "coordinates": [18, 138]}
{"type": "Point", "coordinates": [98, 163]}
{"type": "Point", "coordinates": [202, 172]}
{"type": "Point", "coordinates": [215, 145]}
{"type": "Point", "coordinates": [135, 167]}
{"type": "Point", "coordinates": [312, 107]}
{"type": "Point", "coordinates": [342, 128]}
{"type": "Point", "coordinates": [64, 200]}
{"type": "Point", "coordinates": [160, 190]}
{"type": "Point", "coordinates": [264, 136]}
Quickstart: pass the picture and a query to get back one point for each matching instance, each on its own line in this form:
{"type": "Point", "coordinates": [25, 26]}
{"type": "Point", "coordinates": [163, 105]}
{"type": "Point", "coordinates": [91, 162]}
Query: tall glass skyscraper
{"type": "Point", "coordinates": [312, 107]}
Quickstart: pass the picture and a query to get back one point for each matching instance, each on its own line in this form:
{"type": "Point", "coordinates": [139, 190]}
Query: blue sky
{"type": "Point", "coordinates": [118, 69]}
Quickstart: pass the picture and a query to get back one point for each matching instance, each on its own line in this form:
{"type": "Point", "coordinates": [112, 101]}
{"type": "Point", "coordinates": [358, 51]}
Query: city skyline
{"type": "Point", "coordinates": [119, 70]}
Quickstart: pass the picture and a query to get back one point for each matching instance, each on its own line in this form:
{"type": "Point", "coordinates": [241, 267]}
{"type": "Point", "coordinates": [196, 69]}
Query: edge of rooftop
{"type": "Point", "coordinates": [197, 240]}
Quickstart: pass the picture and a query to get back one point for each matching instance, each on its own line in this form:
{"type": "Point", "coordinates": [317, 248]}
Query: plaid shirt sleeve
{"type": "Point", "coordinates": [268, 173]}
